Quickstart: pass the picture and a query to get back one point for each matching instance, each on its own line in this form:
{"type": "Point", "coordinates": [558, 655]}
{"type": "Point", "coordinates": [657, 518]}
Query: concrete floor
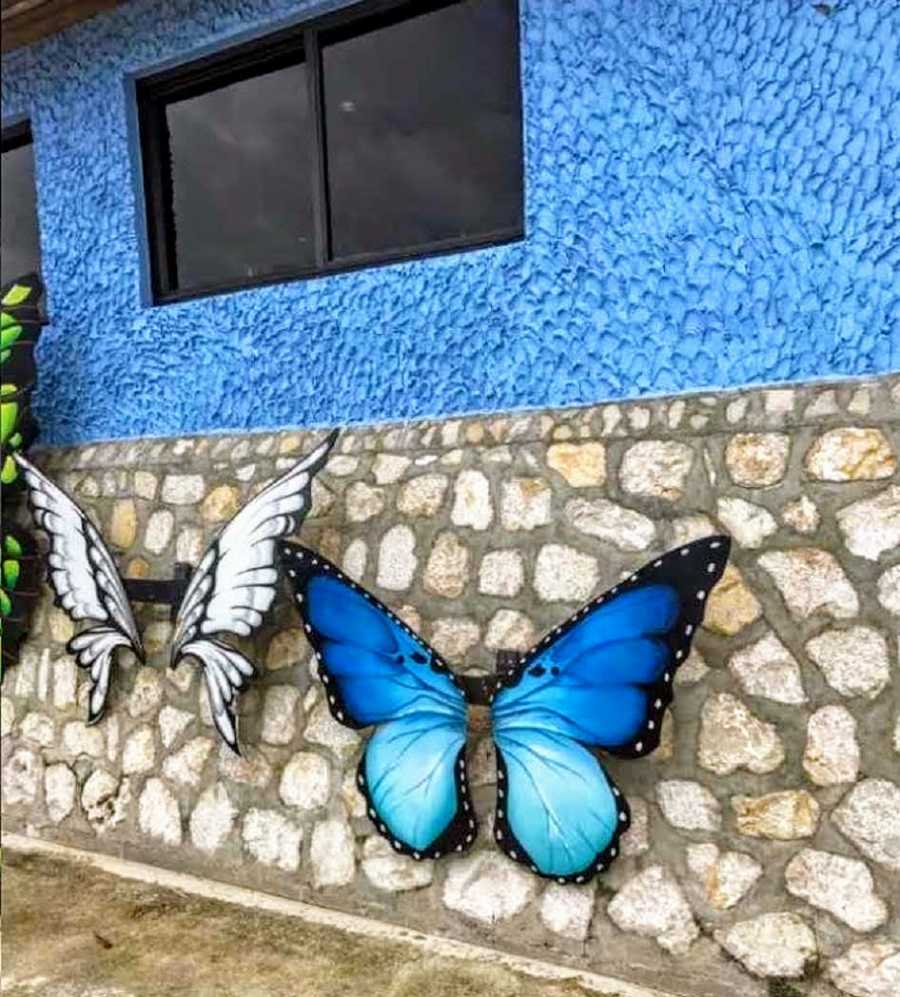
{"type": "Point", "coordinates": [72, 930]}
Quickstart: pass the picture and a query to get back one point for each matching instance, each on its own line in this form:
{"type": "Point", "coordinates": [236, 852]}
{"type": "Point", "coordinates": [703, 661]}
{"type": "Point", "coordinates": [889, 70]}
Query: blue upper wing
{"type": "Point", "coordinates": [602, 680]}
{"type": "Point", "coordinates": [377, 671]}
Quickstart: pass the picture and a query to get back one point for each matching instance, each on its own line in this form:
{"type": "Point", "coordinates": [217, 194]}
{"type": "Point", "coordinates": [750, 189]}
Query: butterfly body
{"type": "Point", "coordinates": [601, 681]}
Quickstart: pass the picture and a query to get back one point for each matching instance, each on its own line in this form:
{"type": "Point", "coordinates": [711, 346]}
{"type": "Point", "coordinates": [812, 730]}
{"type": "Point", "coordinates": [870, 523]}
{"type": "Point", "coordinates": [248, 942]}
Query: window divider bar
{"type": "Point", "coordinates": [320, 164]}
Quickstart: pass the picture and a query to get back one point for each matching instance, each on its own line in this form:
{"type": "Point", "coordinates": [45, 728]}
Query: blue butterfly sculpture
{"type": "Point", "coordinates": [603, 679]}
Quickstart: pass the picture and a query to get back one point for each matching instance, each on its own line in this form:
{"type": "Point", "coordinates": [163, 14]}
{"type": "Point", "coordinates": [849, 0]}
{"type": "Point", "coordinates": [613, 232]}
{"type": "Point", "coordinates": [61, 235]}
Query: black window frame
{"type": "Point", "coordinates": [236, 63]}
{"type": "Point", "coordinates": [12, 137]}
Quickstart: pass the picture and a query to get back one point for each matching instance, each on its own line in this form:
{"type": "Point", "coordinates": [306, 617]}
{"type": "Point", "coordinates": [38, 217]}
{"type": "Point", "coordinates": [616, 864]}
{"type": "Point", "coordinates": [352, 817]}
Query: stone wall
{"type": "Point", "coordinates": [766, 840]}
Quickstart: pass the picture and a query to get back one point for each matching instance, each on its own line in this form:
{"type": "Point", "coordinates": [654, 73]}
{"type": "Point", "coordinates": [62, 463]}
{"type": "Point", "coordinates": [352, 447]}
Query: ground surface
{"type": "Point", "coordinates": [73, 931]}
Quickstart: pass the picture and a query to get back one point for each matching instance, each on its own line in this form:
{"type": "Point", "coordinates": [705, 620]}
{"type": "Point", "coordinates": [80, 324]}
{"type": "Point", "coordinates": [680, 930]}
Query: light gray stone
{"type": "Point", "coordinates": [525, 504]}
{"type": "Point", "coordinates": [766, 668]}
{"type": "Point", "coordinates": [39, 729]}
{"type": "Point", "coordinates": [352, 798]}
{"type": "Point", "coordinates": [323, 729]}
{"type": "Point", "coordinates": [251, 768]}
{"type": "Point", "coordinates": [158, 814]}
{"type": "Point", "coordinates": [186, 766]}
{"type": "Point", "coordinates": [7, 716]}
{"type": "Point", "coordinates": [853, 661]}
{"type": "Point", "coordinates": [454, 637]}
{"type": "Point", "coordinates": [626, 529]}
{"type": "Point", "coordinates": [389, 468]}
{"type": "Point", "coordinates": [508, 629]}
{"type": "Point", "coordinates": [688, 805]}
{"type": "Point", "coordinates": [567, 910]}
{"type": "Point", "coordinates": [447, 570]}
{"type": "Point", "coordinates": [22, 776]}
{"type": "Point", "coordinates": [872, 526]}
{"type": "Point", "coordinates": [272, 839]}
{"type": "Point", "coordinates": [656, 469]}
{"type": "Point", "coordinates": [757, 460]}
{"type": "Point", "coordinates": [749, 524]}
{"type": "Point", "coordinates": [397, 559]}
{"type": "Point", "coordinates": [869, 815]}
{"type": "Point", "coordinates": [564, 574]}
{"type": "Point", "coordinates": [502, 573]}
{"type": "Point", "coordinates": [771, 945]}
{"type": "Point", "coordinates": [841, 886]}
{"type": "Point", "coordinates": [105, 801]}
{"type": "Point", "coordinates": [342, 466]}
{"type": "Point", "coordinates": [212, 819]}
{"type": "Point", "coordinates": [810, 581]}
{"type": "Point", "coordinates": [652, 904]}
{"type": "Point", "coordinates": [831, 756]}
{"type": "Point", "coordinates": [305, 781]}
{"type": "Point", "coordinates": [146, 694]}
{"type": "Point", "coordinates": [79, 739]}
{"type": "Point", "coordinates": [159, 531]}
{"type": "Point", "coordinates": [868, 969]}
{"type": "Point", "coordinates": [636, 840]}
{"type": "Point", "coordinates": [59, 791]}
{"type": "Point", "coordinates": [472, 501]}
{"type": "Point", "coordinates": [694, 670]}
{"type": "Point", "coordinates": [171, 723]}
{"type": "Point", "coordinates": [889, 590]}
{"type": "Point", "coordinates": [139, 754]}
{"type": "Point", "coordinates": [355, 558]}
{"type": "Point", "coordinates": [183, 489]}
{"type": "Point", "coordinates": [145, 485]}
{"type": "Point", "coordinates": [732, 738]}
{"type": "Point", "coordinates": [488, 887]}
{"type": "Point", "coordinates": [393, 873]}
{"type": "Point", "coordinates": [189, 545]}
{"type": "Point", "coordinates": [722, 879]}
{"type": "Point", "coordinates": [65, 682]}
{"type": "Point", "coordinates": [279, 718]}
{"type": "Point", "coordinates": [332, 854]}
{"type": "Point", "coordinates": [364, 502]}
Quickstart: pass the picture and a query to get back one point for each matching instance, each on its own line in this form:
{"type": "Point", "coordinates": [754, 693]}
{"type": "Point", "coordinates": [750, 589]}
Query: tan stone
{"type": "Point", "coordinates": [137, 567]}
{"type": "Point", "coordinates": [422, 496]}
{"type": "Point", "coordinates": [757, 460]}
{"type": "Point", "coordinates": [447, 570]}
{"type": "Point", "coordinates": [221, 504]}
{"type": "Point", "coordinates": [472, 501]}
{"type": "Point", "coordinates": [581, 464]}
{"type": "Point", "coordinates": [363, 502]}
{"type": "Point", "coordinates": [782, 816]}
{"type": "Point", "coordinates": [851, 454]}
{"type": "Point", "coordinates": [62, 629]}
{"type": "Point", "coordinates": [802, 515]}
{"type": "Point", "coordinates": [453, 638]}
{"type": "Point", "coordinates": [123, 524]}
{"type": "Point", "coordinates": [731, 605]}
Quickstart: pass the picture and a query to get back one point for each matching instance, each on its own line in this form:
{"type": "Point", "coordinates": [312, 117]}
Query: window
{"type": "Point", "coordinates": [20, 251]}
{"type": "Point", "coordinates": [363, 137]}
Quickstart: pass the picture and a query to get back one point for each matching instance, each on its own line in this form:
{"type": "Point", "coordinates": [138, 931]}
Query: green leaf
{"type": "Point", "coordinates": [12, 546]}
{"type": "Point", "coordinates": [11, 574]}
{"type": "Point", "coordinates": [18, 294]}
{"type": "Point", "coordinates": [5, 603]}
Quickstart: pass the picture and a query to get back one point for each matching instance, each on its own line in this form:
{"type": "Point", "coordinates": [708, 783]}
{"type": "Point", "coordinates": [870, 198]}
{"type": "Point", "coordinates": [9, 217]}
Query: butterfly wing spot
{"type": "Point", "coordinates": [701, 595]}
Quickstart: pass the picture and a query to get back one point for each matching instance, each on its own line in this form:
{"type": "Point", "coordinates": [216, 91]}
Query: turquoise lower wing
{"type": "Point", "coordinates": [377, 672]}
{"type": "Point", "coordinates": [602, 680]}
{"type": "Point", "coordinates": [557, 810]}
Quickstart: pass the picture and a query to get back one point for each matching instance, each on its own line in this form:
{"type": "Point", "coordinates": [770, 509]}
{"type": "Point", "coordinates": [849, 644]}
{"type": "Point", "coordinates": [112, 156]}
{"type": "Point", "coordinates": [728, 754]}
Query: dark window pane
{"type": "Point", "coordinates": [423, 127]}
{"type": "Point", "coordinates": [19, 245]}
{"type": "Point", "coordinates": [241, 180]}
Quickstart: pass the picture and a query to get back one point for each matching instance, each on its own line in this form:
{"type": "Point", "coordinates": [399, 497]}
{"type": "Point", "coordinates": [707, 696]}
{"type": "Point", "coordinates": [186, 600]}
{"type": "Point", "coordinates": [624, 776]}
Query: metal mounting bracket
{"type": "Point", "coordinates": [167, 592]}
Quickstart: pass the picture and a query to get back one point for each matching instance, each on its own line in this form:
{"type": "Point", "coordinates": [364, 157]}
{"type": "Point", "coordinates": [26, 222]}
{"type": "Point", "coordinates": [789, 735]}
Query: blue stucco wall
{"type": "Point", "coordinates": [713, 199]}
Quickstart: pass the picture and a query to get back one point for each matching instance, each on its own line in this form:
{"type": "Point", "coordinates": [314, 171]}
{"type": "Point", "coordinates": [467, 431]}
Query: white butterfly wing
{"type": "Point", "coordinates": [235, 583]}
{"type": "Point", "coordinates": [85, 581]}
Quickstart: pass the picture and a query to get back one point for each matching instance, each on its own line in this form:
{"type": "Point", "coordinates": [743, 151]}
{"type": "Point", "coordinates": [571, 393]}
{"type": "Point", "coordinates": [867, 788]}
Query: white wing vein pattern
{"type": "Point", "coordinates": [85, 582]}
{"type": "Point", "coordinates": [234, 586]}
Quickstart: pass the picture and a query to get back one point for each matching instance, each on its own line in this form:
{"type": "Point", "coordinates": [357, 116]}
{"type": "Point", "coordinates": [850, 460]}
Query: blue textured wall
{"type": "Point", "coordinates": [712, 200]}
